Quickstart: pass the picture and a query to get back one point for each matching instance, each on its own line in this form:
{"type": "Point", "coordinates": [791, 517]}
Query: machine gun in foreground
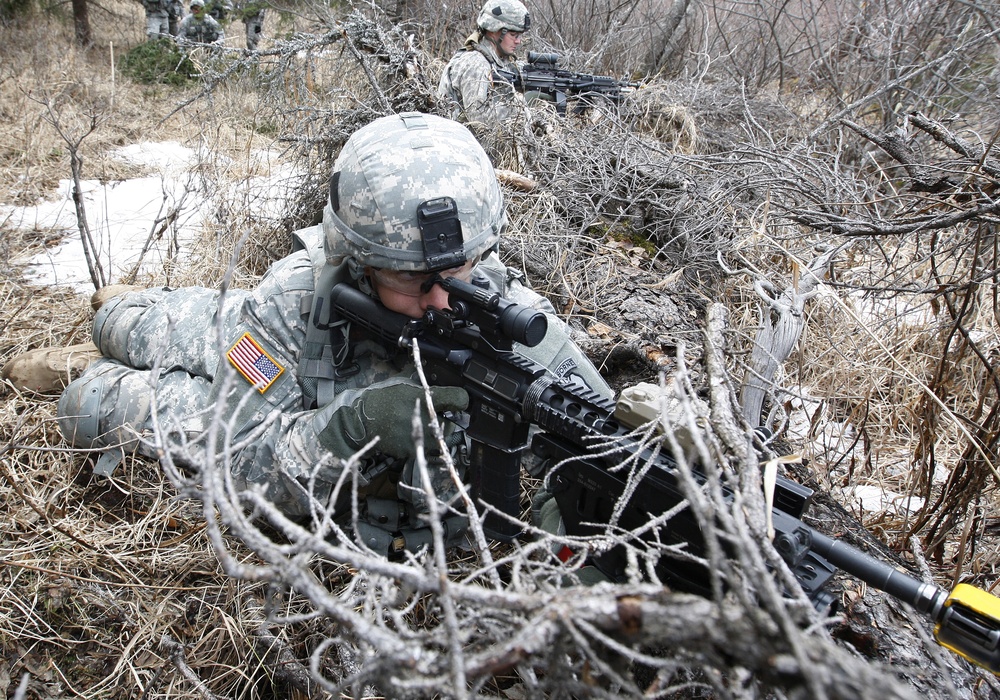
{"type": "Point", "coordinates": [472, 346]}
{"type": "Point", "coordinates": [541, 75]}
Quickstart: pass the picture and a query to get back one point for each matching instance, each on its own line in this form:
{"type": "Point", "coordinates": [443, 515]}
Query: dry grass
{"type": "Point", "coordinates": [97, 573]}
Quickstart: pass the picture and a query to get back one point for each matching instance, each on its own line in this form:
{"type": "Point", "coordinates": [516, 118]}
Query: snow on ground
{"type": "Point", "coordinates": [836, 442]}
{"type": "Point", "coordinates": [126, 218]}
{"type": "Point", "coordinates": [874, 498]}
{"type": "Point", "coordinates": [870, 311]}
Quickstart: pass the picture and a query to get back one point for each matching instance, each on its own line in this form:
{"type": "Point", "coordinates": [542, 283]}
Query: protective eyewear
{"type": "Point", "coordinates": [415, 284]}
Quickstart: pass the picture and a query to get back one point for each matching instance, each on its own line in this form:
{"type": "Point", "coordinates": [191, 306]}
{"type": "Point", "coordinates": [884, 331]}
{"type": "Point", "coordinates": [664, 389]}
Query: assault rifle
{"type": "Point", "coordinates": [541, 74]}
{"type": "Point", "coordinates": [472, 346]}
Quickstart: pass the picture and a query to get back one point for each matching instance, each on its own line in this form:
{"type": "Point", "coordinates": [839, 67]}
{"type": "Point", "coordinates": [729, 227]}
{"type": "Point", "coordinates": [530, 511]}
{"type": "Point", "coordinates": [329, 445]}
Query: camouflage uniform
{"type": "Point", "coordinates": [252, 14]}
{"type": "Point", "coordinates": [245, 356]}
{"type": "Point", "coordinates": [157, 18]}
{"type": "Point", "coordinates": [175, 15]}
{"type": "Point", "coordinates": [200, 30]}
{"type": "Point", "coordinates": [219, 10]}
{"type": "Point", "coordinates": [469, 82]}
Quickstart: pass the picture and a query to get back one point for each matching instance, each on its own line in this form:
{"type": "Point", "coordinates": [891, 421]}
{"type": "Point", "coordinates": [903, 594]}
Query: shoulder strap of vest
{"type": "Point", "coordinates": [319, 361]}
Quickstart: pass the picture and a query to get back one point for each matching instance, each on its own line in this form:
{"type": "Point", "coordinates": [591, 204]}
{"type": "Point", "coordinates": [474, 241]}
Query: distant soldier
{"type": "Point", "coordinates": [468, 79]}
{"type": "Point", "coordinates": [198, 27]}
{"type": "Point", "coordinates": [175, 14]}
{"type": "Point", "coordinates": [252, 14]}
{"type": "Point", "coordinates": [219, 10]}
{"type": "Point", "coordinates": [157, 18]}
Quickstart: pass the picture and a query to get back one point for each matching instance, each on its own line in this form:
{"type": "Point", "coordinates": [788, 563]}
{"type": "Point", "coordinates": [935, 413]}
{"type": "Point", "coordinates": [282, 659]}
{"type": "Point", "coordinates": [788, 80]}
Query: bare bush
{"type": "Point", "coordinates": [645, 222]}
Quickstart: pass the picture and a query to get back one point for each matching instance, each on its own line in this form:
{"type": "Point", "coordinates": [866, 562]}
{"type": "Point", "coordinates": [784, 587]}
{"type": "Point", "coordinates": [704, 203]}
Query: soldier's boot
{"type": "Point", "coordinates": [108, 292]}
{"type": "Point", "coordinates": [49, 370]}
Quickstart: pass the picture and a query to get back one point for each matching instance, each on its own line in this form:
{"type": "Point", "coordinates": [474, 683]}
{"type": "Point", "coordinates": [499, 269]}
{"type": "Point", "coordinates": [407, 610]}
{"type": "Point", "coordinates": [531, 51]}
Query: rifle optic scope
{"type": "Point", "coordinates": [544, 58]}
{"type": "Point", "coordinates": [520, 323]}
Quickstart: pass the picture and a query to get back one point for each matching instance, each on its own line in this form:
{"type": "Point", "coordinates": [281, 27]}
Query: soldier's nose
{"type": "Point", "coordinates": [436, 297]}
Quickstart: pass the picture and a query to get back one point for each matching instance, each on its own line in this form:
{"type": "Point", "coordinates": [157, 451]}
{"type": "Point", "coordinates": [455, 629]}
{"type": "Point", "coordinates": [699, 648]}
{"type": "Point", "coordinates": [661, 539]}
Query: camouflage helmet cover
{"type": "Point", "coordinates": [504, 14]}
{"type": "Point", "coordinates": [383, 174]}
{"type": "Point", "coordinates": [197, 3]}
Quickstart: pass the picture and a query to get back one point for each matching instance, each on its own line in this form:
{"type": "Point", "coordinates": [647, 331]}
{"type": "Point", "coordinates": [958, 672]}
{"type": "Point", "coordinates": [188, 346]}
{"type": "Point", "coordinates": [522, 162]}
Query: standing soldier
{"type": "Point", "coordinates": [252, 14]}
{"type": "Point", "coordinates": [219, 10]}
{"type": "Point", "coordinates": [157, 18]}
{"type": "Point", "coordinates": [469, 81]}
{"type": "Point", "coordinates": [199, 28]}
{"type": "Point", "coordinates": [175, 14]}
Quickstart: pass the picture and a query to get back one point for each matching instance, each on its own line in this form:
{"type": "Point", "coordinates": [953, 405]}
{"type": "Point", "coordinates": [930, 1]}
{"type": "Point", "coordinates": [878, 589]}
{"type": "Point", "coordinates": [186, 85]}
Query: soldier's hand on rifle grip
{"type": "Point", "coordinates": [385, 409]}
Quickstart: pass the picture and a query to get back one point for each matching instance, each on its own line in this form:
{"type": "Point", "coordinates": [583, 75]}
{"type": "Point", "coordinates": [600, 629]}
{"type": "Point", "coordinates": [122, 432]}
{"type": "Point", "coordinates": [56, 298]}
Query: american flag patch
{"type": "Point", "coordinates": [254, 363]}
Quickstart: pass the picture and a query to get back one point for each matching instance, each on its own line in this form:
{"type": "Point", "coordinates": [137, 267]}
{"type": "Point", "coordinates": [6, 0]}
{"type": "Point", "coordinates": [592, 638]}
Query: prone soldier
{"type": "Point", "coordinates": [303, 391]}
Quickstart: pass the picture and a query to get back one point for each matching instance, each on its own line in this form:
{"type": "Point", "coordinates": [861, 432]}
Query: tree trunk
{"type": "Point", "coordinates": [81, 23]}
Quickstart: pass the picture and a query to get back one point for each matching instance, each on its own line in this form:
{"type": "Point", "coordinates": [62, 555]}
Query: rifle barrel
{"type": "Point", "coordinates": [926, 598]}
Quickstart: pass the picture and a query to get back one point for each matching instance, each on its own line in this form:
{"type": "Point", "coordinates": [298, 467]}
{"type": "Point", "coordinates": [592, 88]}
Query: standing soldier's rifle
{"type": "Point", "coordinates": [472, 346]}
{"type": "Point", "coordinates": [542, 75]}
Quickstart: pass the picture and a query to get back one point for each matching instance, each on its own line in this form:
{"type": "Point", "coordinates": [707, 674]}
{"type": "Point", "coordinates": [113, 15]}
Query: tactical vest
{"type": "Point", "coordinates": [319, 365]}
{"type": "Point", "coordinates": [326, 359]}
{"type": "Point", "coordinates": [326, 354]}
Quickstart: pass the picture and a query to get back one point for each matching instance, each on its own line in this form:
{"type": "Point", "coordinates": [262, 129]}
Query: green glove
{"type": "Point", "coordinates": [385, 409]}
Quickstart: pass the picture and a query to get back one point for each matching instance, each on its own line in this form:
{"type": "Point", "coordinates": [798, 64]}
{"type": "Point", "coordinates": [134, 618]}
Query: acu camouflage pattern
{"type": "Point", "coordinates": [386, 170]}
{"type": "Point", "coordinates": [171, 346]}
{"type": "Point", "coordinates": [158, 15]}
{"type": "Point", "coordinates": [200, 30]}
{"type": "Point", "coordinates": [219, 10]}
{"type": "Point", "coordinates": [274, 444]}
{"type": "Point", "coordinates": [252, 14]}
{"type": "Point", "coordinates": [504, 14]}
{"type": "Point", "coordinates": [468, 83]}
{"type": "Point", "coordinates": [176, 14]}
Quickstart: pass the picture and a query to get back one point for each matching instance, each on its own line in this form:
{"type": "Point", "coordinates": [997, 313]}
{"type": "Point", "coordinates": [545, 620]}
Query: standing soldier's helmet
{"type": "Point", "coordinates": [412, 192]}
{"type": "Point", "coordinates": [498, 15]}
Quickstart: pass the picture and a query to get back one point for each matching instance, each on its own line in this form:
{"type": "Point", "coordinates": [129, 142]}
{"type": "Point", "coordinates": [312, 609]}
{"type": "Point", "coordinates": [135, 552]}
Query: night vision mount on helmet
{"type": "Point", "coordinates": [412, 192]}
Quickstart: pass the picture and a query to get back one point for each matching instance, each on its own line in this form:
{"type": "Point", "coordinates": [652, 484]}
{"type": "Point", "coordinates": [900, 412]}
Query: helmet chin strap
{"type": "Point", "coordinates": [496, 43]}
{"type": "Point", "coordinates": [357, 272]}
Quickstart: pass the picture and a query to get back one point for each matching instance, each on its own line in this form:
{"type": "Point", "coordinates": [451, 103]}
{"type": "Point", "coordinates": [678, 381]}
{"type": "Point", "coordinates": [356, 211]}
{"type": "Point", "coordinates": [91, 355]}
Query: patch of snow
{"type": "Point", "coordinates": [871, 311]}
{"type": "Point", "coordinates": [834, 440]}
{"type": "Point", "coordinates": [167, 156]}
{"type": "Point", "coordinates": [875, 499]}
{"type": "Point", "coordinates": [126, 218]}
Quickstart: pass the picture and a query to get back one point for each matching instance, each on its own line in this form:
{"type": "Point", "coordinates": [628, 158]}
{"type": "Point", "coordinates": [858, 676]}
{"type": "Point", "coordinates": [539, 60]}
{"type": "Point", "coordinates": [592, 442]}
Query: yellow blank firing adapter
{"type": "Point", "coordinates": [969, 625]}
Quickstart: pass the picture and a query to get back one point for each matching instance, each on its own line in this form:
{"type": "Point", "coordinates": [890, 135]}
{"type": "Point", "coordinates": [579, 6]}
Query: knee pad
{"type": "Point", "coordinates": [108, 406]}
{"type": "Point", "coordinates": [114, 321]}
{"type": "Point", "coordinates": [111, 325]}
{"type": "Point", "coordinates": [79, 410]}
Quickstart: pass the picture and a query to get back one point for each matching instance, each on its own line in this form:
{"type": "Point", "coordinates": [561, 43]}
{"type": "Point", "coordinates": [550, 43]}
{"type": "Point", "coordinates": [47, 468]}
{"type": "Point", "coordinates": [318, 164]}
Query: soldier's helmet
{"type": "Point", "coordinates": [504, 14]}
{"type": "Point", "coordinates": [412, 192]}
{"type": "Point", "coordinates": [196, 3]}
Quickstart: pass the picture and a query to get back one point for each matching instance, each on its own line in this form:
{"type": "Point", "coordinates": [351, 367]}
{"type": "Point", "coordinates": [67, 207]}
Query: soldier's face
{"type": "Point", "coordinates": [510, 43]}
{"type": "Point", "coordinates": [411, 293]}
{"type": "Point", "coordinates": [198, 10]}
{"type": "Point", "coordinates": [409, 305]}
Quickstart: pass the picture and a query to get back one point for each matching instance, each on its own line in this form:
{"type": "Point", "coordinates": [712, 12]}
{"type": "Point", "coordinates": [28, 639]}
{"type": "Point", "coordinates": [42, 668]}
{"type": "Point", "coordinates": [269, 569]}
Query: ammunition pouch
{"type": "Point", "coordinates": [384, 529]}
